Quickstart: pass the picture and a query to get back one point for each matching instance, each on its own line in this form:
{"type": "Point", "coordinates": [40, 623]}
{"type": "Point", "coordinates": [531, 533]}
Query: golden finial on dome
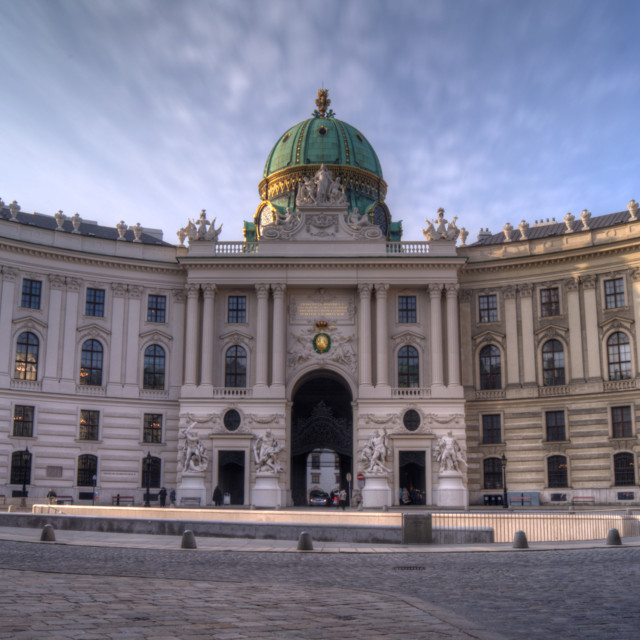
{"type": "Point", "coordinates": [323, 102]}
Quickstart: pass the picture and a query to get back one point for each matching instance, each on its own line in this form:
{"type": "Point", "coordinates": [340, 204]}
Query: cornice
{"type": "Point", "coordinates": [300, 262]}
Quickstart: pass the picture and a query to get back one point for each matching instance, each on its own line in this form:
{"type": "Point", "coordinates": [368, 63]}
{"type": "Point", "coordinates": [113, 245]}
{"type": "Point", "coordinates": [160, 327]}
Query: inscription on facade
{"type": "Point", "coordinates": [321, 306]}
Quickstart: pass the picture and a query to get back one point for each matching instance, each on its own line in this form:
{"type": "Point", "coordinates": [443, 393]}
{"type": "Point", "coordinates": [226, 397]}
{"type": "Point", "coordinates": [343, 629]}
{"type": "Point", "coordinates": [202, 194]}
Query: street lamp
{"type": "Point", "coordinates": [93, 495]}
{"type": "Point", "coordinates": [503, 460]}
{"type": "Point", "coordinates": [147, 464]}
{"type": "Point", "coordinates": [26, 459]}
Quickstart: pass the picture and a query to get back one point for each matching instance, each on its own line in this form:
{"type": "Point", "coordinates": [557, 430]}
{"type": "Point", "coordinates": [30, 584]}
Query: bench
{"type": "Point", "coordinates": [190, 502]}
{"type": "Point", "coordinates": [583, 500]}
{"type": "Point", "coordinates": [64, 499]}
{"type": "Point", "coordinates": [122, 501]}
{"type": "Point", "coordinates": [521, 500]}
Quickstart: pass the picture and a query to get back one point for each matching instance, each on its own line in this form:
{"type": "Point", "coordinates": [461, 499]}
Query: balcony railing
{"type": "Point", "coordinates": [411, 392]}
{"type": "Point", "coordinates": [232, 392]}
{"type": "Point", "coordinates": [490, 394]}
{"type": "Point", "coordinates": [619, 385]}
{"type": "Point", "coordinates": [558, 390]}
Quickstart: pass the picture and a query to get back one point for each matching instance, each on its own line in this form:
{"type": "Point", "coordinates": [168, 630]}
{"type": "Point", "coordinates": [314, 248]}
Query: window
{"type": "Point", "coordinates": [23, 421]}
{"type": "Point", "coordinates": [232, 420]}
{"type": "Point", "coordinates": [492, 473]}
{"type": "Point", "coordinates": [549, 302]}
{"type": "Point", "coordinates": [490, 368]}
{"type": "Point", "coordinates": [157, 309]}
{"type": "Point", "coordinates": [553, 363]}
{"type": "Point", "coordinates": [154, 367]}
{"type": "Point", "coordinates": [557, 471]}
{"type": "Point", "coordinates": [31, 291]}
{"type": "Point", "coordinates": [21, 467]}
{"type": "Point", "coordinates": [237, 309]}
{"type": "Point", "coordinates": [315, 478]}
{"type": "Point", "coordinates": [491, 432]}
{"type": "Point", "coordinates": [315, 460]}
{"type": "Point", "coordinates": [624, 470]}
{"type": "Point", "coordinates": [621, 426]}
{"type": "Point", "coordinates": [619, 356]}
{"type": "Point", "coordinates": [555, 425]}
{"type": "Point", "coordinates": [151, 471]}
{"type": "Point", "coordinates": [91, 363]}
{"type": "Point", "coordinates": [613, 293]}
{"type": "Point", "coordinates": [336, 461]}
{"type": "Point", "coordinates": [87, 468]}
{"type": "Point", "coordinates": [89, 425]}
{"type": "Point", "coordinates": [94, 304]}
{"type": "Point", "coordinates": [152, 431]}
{"type": "Point", "coordinates": [407, 309]}
{"type": "Point", "coordinates": [411, 420]}
{"type": "Point", "coordinates": [488, 307]}
{"type": "Point", "coordinates": [26, 364]}
{"type": "Point", "coordinates": [408, 365]}
{"type": "Point", "coordinates": [235, 372]}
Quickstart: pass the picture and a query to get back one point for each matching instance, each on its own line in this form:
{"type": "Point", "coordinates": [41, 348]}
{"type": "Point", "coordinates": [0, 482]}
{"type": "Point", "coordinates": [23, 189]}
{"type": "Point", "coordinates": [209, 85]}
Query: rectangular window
{"type": "Point", "coordinates": [549, 302]}
{"type": "Point", "coordinates": [491, 433]}
{"type": "Point", "coordinates": [94, 305]}
{"type": "Point", "coordinates": [613, 293]}
{"type": "Point", "coordinates": [555, 425]}
{"type": "Point", "coordinates": [315, 478]}
{"type": "Point", "coordinates": [237, 309]}
{"type": "Point", "coordinates": [315, 460]}
{"type": "Point", "coordinates": [488, 307]}
{"type": "Point", "coordinates": [152, 428]}
{"type": "Point", "coordinates": [89, 424]}
{"type": "Point", "coordinates": [621, 422]}
{"type": "Point", "coordinates": [157, 309]}
{"type": "Point", "coordinates": [23, 421]}
{"type": "Point", "coordinates": [31, 291]}
{"type": "Point", "coordinates": [407, 309]}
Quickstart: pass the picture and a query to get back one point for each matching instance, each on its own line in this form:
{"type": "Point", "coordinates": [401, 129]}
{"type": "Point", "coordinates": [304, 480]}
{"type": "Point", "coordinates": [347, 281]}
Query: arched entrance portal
{"type": "Point", "coordinates": [321, 421]}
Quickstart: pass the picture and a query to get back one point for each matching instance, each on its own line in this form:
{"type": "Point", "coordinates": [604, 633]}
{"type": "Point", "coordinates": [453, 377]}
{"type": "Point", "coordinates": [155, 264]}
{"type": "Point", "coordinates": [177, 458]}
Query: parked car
{"type": "Point", "coordinates": [319, 498]}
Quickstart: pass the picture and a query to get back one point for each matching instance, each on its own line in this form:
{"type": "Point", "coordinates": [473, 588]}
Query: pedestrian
{"type": "Point", "coordinates": [52, 496]}
{"type": "Point", "coordinates": [162, 494]}
{"type": "Point", "coordinates": [342, 498]}
{"type": "Point", "coordinates": [172, 498]}
{"type": "Point", "coordinates": [217, 496]}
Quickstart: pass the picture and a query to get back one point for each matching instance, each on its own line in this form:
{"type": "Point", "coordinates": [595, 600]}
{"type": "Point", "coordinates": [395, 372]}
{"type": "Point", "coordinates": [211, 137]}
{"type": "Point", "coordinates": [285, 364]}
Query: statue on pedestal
{"type": "Point", "coordinates": [449, 454]}
{"type": "Point", "coordinates": [193, 456]}
{"type": "Point", "coordinates": [375, 452]}
{"type": "Point", "coordinates": [265, 451]}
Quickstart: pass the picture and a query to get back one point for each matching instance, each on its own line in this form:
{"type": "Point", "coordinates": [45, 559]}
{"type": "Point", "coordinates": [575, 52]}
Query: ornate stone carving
{"type": "Point", "coordinates": [14, 209]}
{"type": "Point", "coordinates": [56, 282]}
{"type": "Point", "coordinates": [9, 275]}
{"type": "Point", "coordinates": [466, 295]}
{"type": "Point", "coordinates": [209, 290]}
{"type": "Point", "coordinates": [179, 295]}
{"type": "Point", "coordinates": [526, 290]}
{"type": "Point", "coordinates": [509, 292]}
{"type": "Point", "coordinates": [59, 218]}
{"type": "Point", "coordinates": [588, 282]}
{"type": "Point", "coordinates": [464, 234]}
{"type": "Point", "coordinates": [322, 189]}
{"type": "Point", "coordinates": [135, 291]}
{"type": "Point", "coordinates": [119, 289]}
{"type": "Point", "coordinates": [375, 453]}
{"type": "Point", "coordinates": [122, 229]}
{"type": "Point", "coordinates": [438, 230]}
{"type": "Point", "coordinates": [182, 234]}
{"type": "Point", "coordinates": [137, 232]}
{"type": "Point", "coordinates": [73, 284]}
{"type": "Point", "coordinates": [524, 230]}
{"type": "Point", "coordinates": [192, 454]}
{"type": "Point", "coordinates": [508, 232]}
{"type": "Point", "coordinates": [585, 217]}
{"type": "Point", "coordinates": [572, 284]}
{"type": "Point", "coordinates": [456, 418]}
{"type": "Point", "coordinates": [633, 209]}
{"type": "Point", "coordinates": [76, 221]}
{"type": "Point", "coordinates": [342, 351]}
{"type": "Point", "coordinates": [265, 452]}
{"type": "Point", "coordinates": [449, 454]}
{"type": "Point", "coordinates": [569, 219]}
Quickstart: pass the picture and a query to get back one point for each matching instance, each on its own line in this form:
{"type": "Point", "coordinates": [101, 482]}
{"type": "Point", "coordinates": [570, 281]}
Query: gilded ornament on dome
{"type": "Point", "coordinates": [323, 102]}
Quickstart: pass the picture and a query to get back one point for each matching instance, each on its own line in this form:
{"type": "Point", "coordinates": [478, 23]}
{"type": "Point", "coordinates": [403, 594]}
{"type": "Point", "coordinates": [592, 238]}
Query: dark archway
{"type": "Point", "coordinates": [231, 475]}
{"type": "Point", "coordinates": [321, 418]}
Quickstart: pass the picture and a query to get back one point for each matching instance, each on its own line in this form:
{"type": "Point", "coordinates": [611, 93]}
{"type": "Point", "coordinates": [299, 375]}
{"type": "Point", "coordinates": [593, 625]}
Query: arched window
{"type": "Point", "coordinates": [553, 363]}
{"type": "Point", "coordinates": [152, 470]}
{"type": "Point", "coordinates": [619, 356]}
{"type": "Point", "coordinates": [91, 363]}
{"type": "Point", "coordinates": [557, 471]}
{"type": "Point", "coordinates": [492, 473]}
{"type": "Point", "coordinates": [490, 368]}
{"type": "Point", "coordinates": [235, 367]}
{"type": "Point", "coordinates": [87, 468]}
{"type": "Point", "coordinates": [26, 364]}
{"type": "Point", "coordinates": [21, 467]}
{"type": "Point", "coordinates": [154, 367]}
{"type": "Point", "coordinates": [408, 367]}
{"type": "Point", "coordinates": [624, 469]}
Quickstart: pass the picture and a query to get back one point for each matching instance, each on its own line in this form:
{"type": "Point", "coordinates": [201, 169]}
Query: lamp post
{"type": "Point", "coordinates": [93, 495]}
{"type": "Point", "coordinates": [147, 463]}
{"type": "Point", "coordinates": [503, 460]}
{"type": "Point", "coordinates": [26, 458]}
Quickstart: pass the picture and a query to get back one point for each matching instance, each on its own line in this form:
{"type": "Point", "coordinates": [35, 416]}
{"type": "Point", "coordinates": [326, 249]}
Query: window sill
{"type": "Point", "coordinates": [12, 437]}
{"type": "Point", "coordinates": [556, 442]}
{"type": "Point", "coordinates": [87, 440]}
{"type": "Point", "coordinates": [152, 444]}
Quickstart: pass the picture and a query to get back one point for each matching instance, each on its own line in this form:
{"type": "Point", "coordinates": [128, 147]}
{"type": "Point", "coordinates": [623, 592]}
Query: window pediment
{"type": "Point", "coordinates": [551, 331]}
{"type": "Point", "coordinates": [93, 331]}
{"type": "Point", "coordinates": [156, 336]}
{"type": "Point", "coordinates": [237, 337]}
{"type": "Point", "coordinates": [29, 322]}
{"type": "Point", "coordinates": [407, 337]}
{"type": "Point", "coordinates": [617, 322]}
{"type": "Point", "coordinates": [487, 337]}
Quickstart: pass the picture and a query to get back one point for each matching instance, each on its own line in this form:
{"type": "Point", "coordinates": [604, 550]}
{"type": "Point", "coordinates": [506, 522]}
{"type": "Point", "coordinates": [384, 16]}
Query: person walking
{"type": "Point", "coordinates": [342, 498]}
{"type": "Point", "coordinates": [172, 498]}
{"type": "Point", "coordinates": [217, 496]}
{"type": "Point", "coordinates": [162, 494]}
{"type": "Point", "coordinates": [52, 496]}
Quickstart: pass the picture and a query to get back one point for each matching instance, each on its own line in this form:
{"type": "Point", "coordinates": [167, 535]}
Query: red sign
{"type": "Point", "coordinates": [361, 476]}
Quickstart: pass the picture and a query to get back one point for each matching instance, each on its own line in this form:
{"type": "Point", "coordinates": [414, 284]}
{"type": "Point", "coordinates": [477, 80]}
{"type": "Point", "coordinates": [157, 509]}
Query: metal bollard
{"type": "Point", "coordinates": [188, 540]}
{"type": "Point", "coordinates": [613, 538]}
{"type": "Point", "coordinates": [305, 543]}
{"type": "Point", "coordinates": [520, 540]}
{"type": "Point", "coordinates": [48, 534]}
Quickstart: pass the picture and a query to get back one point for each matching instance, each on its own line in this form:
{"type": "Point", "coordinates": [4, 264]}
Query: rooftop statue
{"type": "Point", "coordinates": [322, 189]}
{"type": "Point", "coordinates": [438, 229]}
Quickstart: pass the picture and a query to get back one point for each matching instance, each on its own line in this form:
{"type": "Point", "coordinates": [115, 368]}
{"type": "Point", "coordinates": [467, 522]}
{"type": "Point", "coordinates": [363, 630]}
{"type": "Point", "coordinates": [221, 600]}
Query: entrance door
{"type": "Point", "coordinates": [412, 475]}
{"type": "Point", "coordinates": [321, 420]}
{"type": "Point", "coordinates": [231, 475]}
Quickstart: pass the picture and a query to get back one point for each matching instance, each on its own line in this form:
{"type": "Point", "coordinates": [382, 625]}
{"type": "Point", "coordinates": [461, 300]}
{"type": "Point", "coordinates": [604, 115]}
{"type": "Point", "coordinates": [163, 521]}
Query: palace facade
{"type": "Point", "coordinates": [129, 362]}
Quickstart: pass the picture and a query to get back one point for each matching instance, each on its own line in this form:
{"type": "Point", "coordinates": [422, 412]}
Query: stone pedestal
{"type": "Point", "coordinates": [192, 486]}
{"type": "Point", "coordinates": [266, 491]}
{"type": "Point", "coordinates": [376, 492]}
{"type": "Point", "coordinates": [451, 492]}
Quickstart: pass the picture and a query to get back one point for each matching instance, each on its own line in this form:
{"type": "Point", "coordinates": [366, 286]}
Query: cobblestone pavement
{"type": "Point", "coordinates": [61, 591]}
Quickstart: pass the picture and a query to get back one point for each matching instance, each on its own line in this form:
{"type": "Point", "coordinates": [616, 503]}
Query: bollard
{"type": "Point", "coordinates": [48, 534]}
{"type": "Point", "coordinates": [305, 543]}
{"type": "Point", "coordinates": [385, 508]}
{"type": "Point", "coordinates": [188, 540]}
{"type": "Point", "coordinates": [613, 538]}
{"type": "Point", "coordinates": [520, 540]}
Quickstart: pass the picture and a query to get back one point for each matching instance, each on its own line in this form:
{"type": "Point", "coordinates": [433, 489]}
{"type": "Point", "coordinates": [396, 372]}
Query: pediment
{"type": "Point", "coordinates": [617, 322]}
{"type": "Point", "coordinates": [29, 322]}
{"type": "Point", "coordinates": [154, 334]}
{"type": "Point", "coordinates": [489, 336]}
{"type": "Point", "coordinates": [551, 331]}
{"type": "Point", "coordinates": [407, 337]}
{"type": "Point", "coordinates": [93, 330]}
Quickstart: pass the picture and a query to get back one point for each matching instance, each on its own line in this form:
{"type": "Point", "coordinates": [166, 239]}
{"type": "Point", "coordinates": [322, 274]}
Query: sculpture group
{"type": "Point", "coordinates": [322, 189]}
{"type": "Point", "coordinates": [193, 456]}
{"type": "Point", "coordinates": [375, 453]}
{"type": "Point", "coordinates": [265, 452]}
{"type": "Point", "coordinates": [449, 454]}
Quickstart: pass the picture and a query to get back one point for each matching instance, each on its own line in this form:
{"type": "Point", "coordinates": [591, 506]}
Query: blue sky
{"type": "Point", "coordinates": [150, 110]}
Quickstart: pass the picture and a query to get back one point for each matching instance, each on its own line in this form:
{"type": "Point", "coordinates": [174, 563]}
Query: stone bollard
{"type": "Point", "coordinates": [613, 538]}
{"type": "Point", "coordinates": [48, 534]}
{"type": "Point", "coordinates": [305, 543]}
{"type": "Point", "coordinates": [188, 540]}
{"type": "Point", "coordinates": [520, 540]}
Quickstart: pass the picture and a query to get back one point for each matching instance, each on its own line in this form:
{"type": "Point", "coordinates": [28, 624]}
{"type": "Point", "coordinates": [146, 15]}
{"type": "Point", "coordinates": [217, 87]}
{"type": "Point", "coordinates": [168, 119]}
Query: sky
{"type": "Point", "coordinates": [151, 110]}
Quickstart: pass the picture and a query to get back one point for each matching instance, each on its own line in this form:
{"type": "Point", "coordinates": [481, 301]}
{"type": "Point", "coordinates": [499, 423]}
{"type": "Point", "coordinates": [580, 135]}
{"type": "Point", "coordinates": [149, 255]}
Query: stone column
{"type": "Point", "coordinates": [364, 338]}
{"type": "Point", "coordinates": [7, 305]}
{"type": "Point", "coordinates": [279, 345]}
{"type": "Point", "coordinates": [575, 329]}
{"type": "Point", "coordinates": [116, 351]}
{"type": "Point", "coordinates": [69, 348]}
{"type": "Point", "coordinates": [382, 336]}
{"type": "Point", "coordinates": [591, 325]}
{"type": "Point", "coordinates": [191, 338]}
{"type": "Point", "coordinates": [528, 345]}
{"type": "Point", "coordinates": [453, 335]}
{"type": "Point", "coordinates": [177, 352]}
{"type": "Point", "coordinates": [466, 354]}
{"type": "Point", "coordinates": [206, 366]}
{"type": "Point", "coordinates": [435, 295]}
{"type": "Point", "coordinates": [54, 325]}
{"type": "Point", "coordinates": [132, 356]}
{"type": "Point", "coordinates": [262, 324]}
{"type": "Point", "coordinates": [511, 325]}
{"type": "Point", "coordinates": [635, 304]}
